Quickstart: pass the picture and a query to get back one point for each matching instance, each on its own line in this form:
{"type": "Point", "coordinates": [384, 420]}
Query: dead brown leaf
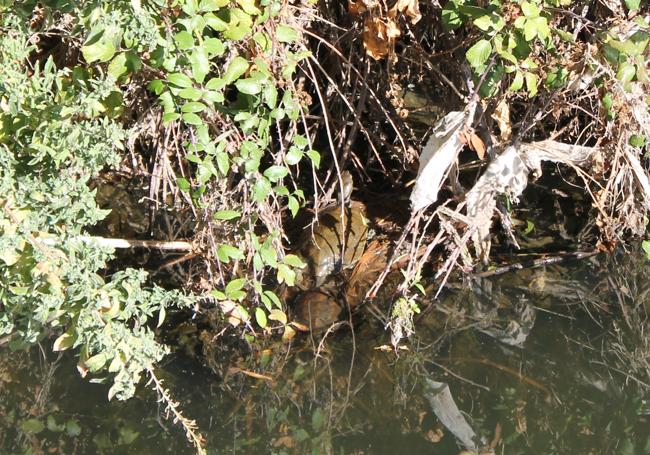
{"type": "Point", "coordinates": [477, 144]}
{"type": "Point", "coordinates": [379, 36]}
{"type": "Point", "coordinates": [501, 115]}
{"type": "Point", "coordinates": [299, 326]}
{"type": "Point", "coordinates": [473, 141]}
{"type": "Point", "coordinates": [409, 7]}
{"type": "Point", "coordinates": [286, 441]}
{"type": "Point", "coordinates": [434, 436]}
{"type": "Point", "coordinates": [356, 8]}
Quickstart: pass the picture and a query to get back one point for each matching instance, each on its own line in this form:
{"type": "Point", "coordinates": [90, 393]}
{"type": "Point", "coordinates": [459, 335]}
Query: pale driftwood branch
{"type": "Point", "coordinates": [177, 245]}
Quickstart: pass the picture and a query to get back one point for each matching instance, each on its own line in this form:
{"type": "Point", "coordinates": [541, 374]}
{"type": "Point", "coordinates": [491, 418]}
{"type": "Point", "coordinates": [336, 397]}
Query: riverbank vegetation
{"type": "Point", "coordinates": [206, 136]}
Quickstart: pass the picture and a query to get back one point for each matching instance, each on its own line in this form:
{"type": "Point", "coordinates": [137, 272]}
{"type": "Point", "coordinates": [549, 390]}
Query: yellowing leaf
{"type": "Point", "coordinates": [63, 342]}
{"type": "Point", "coordinates": [288, 334]}
{"type": "Point", "coordinates": [9, 256]}
{"type": "Point", "coordinates": [278, 315]}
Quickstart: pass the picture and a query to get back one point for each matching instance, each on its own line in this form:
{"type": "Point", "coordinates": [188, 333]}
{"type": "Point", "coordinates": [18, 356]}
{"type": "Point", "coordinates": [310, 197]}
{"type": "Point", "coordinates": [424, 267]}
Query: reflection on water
{"type": "Point", "coordinates": [547, 361]}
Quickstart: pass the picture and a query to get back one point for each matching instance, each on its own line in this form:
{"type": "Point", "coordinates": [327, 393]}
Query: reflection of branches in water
{"type": "Point", "coordinates": [359, 387]}
{"type": "Point", "coordinates": [629, 282]}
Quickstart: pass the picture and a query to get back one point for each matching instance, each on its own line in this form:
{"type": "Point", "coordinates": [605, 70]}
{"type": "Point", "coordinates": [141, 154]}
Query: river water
{"type": "Point", "coordinates": [547, 361]}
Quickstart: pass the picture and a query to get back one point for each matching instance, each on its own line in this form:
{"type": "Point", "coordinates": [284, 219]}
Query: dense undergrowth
{"type": "Point", "coordinates": [238, 114]}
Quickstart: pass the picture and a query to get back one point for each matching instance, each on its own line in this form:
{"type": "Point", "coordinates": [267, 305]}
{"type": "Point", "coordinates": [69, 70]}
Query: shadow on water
{"type": "Point", "coordinates": [546, 361]}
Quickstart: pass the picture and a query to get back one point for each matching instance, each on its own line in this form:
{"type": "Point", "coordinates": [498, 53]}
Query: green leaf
{"type": "Point", "coordinates": [530, 30]}
{"type": "Point", "coordinates": [530, 227]}
{"type": "Point", "coordinates": [249, 7]}
{"type": "Point", "coordinates": [271, 96]}
{"type": "Point", "coordinates": [531, 84]}
{"type": "Point", "coordinates": [72, 428]}
{"type": "Point", "coordinates": [479, 53]}
{"type": "Point", "coordinates": [564, 35]}
{"type": "Point", "coordinates": [645, 245]}
{"type": "Point", "coordinates": [212, 5]}
{"type": "Point", "coordinates": [608, 103]}
{"type": "Point", "coordinates": [32, 426]}
{"type": "Point", "coordinates": [275, 173]}
{"type": "Point", "coordinates": [214, 47]}
{"type": "Point", "coordinates": [213, 97]}
{"type": "Point", "coordinates": [637, 140]}
{"type": "Point", "coordinates": [294, 261]}
{"type": "Point", "coordinates": [261, 189]}
{"type": "Point", "coordinates": [484, 22]}
{"type": "Point", "coordinates": [300, 141]}
{"type": "Point", "coordinates": [451, 19]}
{"type": "Point", "coordinates": [223, 162]}
{"type": "Point", "coordinates": [101, 50]}
{"type": "Point", "coordinates": [193, 106]}
{"type": "Point", "coordinates": [183, 184]}
{"type": "Point", "coordinates": [236, 68]}
{"type": "Point", "coordinates": [157, 86]}
{"type": "Point", "coordinates": [294, 155]}
{"type": "Point", "coordinates": [235, 285]}
{"type": "Point", "coordinates": [184, 40]}
{"type": "Point", "coordinates": [269, 255]}
{"type": "Point", "coordinates": [226, 252]}
{"type": "Point", "coordinates": [170, 117]}
{"type": "Point", "coordinates": [633, 5]}
{"type": "Point", "coordinates": [215, 83]}
{"type": "Point", "coordinates": [530, 9]}
{"type": "Point", "coordinates": [294, 206]}
{"type": "Point", "coordinates": [249, 86]}
{"type": "Point", "coordinates": [274, 298]}
{"type": "Point", "coordinates": [626, 72]}
{"type": "Point", "coordinates": [317, 419]}
{"type": "Point", "coordinates": [517, 82]}
{"type": "Point", "coordinates": [53, 426]}
{"type": "Point", "coordinates": [314, 156]}
{"type": "Point", "coordinates": [226, 215]}
{"type": "Point", "coordinates": [281, 190]}
{"type": "Point", "coordinates": [217, 294]}
{"type": "Point", "coordinates": [63, 342]}
{"type": "Point", "coordinates": [179, 80]}
{"type": "Point", "coordinates": [117, 67]}
{"type": "Point", "coordinates": [260, 317]}
{"type": "Point", "coordinates": [489, 22]}
{"type": "Point", "coordinates": [474, 12]}
{"type": "Point", "coordinates": [192, 119]}
{"type": "Point", "coordinates": [285, 274]}
{"type": "Point", "coordinates": [96, 362]}
{"type": "Point", "coordinates": [200, 64]}
{"type": "Point", "coordinates": [239, 23]}
{"type": "Point", "coordinates": [190, 93]}
{"type": "Point", "coordinates": [215, 22]}
{"type": "Point", "coordinates": [543, 30]}
{"type": "Point", "coordinates": [286, 34]}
